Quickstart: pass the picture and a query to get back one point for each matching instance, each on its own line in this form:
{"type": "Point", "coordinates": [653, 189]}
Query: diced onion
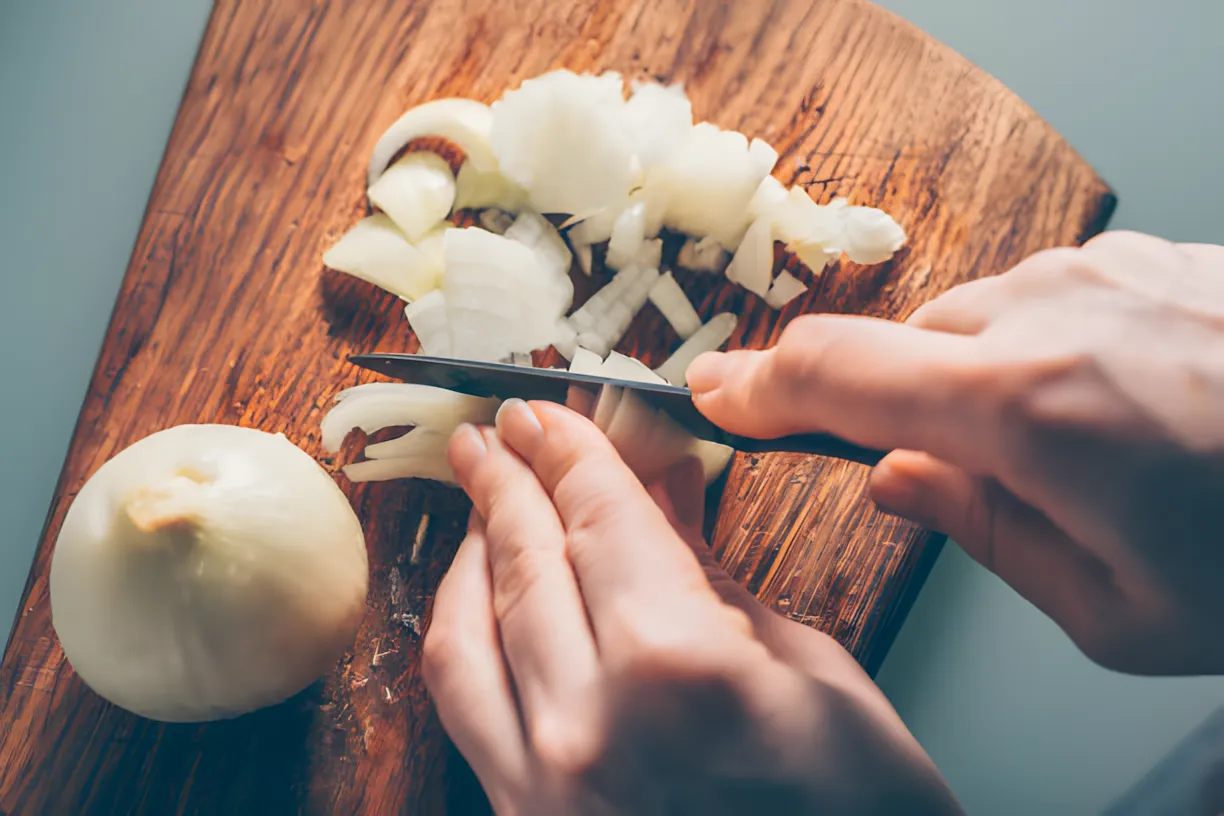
{"type": "Point", "coordinates": [585, 361]}
{"type": "Point", "coordinates": [660, 119]}
{"type": "Point", "coordinates": [564, 138]}
{"type": "Point", "coordinates": [677, 309]}
{"type": "Point", "coordinates": [416, 193]}
{"type": "Point", "coordinates": [752, 265]}
{"type": "Point", "coordinates": [475, 190]}
{"type": "Point", "coordinates": [786, 287]}
{"type": "Point", "coordinates": [495, 220]}
{"type": "Point", "coordinates": [465, 122]}
{"type": "Point", "coordinates": [628, 235]}
{"type": "Point", "coordinates": [709, 337]}
{"type": "Point", "coordinates": [376, 251]}
{"type": "Point", "coordinates": [872, 236]}
{"type": "Point", "coordinates": [427, 317]}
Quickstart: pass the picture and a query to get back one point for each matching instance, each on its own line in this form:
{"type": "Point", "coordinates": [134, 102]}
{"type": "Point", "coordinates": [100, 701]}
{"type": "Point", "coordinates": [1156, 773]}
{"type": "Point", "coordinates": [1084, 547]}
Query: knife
{"type": "Point", "coordinates": [503, 381]}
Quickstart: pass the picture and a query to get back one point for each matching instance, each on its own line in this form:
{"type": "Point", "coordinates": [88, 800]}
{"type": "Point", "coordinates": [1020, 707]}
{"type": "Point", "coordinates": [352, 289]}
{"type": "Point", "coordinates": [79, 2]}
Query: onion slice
{"type": "Point", "coordinates": [709, 337]}
{"type": "Point", "coordinates": [416, 193]}
{"type": "Point", "coordinates": [427, 317]}
{"type": "Point", "coordinates": [465, 122]}
{"type": "Point", "coordinates": [374, 406]}
{"type": "Point", "coordinates": [785, 288]}
{"type": "Point", "coordinates": [476, 190]}
{"type": "Point", "coordinates": [752, 265]}
{"type": "Point", "coordinates": [376, 251]}
{"type": "Point", "coordinates": [677, 309]}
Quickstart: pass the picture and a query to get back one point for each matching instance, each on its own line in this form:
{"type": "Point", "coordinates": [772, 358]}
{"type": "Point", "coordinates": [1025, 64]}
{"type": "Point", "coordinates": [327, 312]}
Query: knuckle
{"type": "Point", "coordinates": [561, 744]}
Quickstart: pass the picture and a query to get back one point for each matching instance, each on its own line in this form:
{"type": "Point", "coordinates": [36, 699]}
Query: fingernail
{"type": "Point", "coordinates": [517, 424]}
{"type": "Point", "coordinates": [707, 372]}
{"type": "Point", "coordinates": [468, 444]}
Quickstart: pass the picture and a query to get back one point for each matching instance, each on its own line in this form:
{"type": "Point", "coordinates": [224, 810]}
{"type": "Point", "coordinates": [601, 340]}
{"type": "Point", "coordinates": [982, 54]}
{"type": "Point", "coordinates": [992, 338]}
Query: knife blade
{"type": "Point", "coordinates": [504, 381]}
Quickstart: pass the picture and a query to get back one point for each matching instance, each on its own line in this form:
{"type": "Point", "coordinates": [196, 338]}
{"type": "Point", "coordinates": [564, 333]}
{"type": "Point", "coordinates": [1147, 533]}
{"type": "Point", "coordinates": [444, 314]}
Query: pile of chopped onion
{"type": "Point", "coordinates": [611, 170]}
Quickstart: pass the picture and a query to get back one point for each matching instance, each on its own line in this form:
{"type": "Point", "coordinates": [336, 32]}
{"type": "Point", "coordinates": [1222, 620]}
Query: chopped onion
{"type": "Point", "coordinates": [621, 367]}
{"type": "Point", "coordinates": [660, 119]}
{"type": "Point", "coordinates": [436, 469]}
{"type": "Point", "coordinates": [376, 251]}
{"type": "Point", "coordinates": [416, 193]}
{"type": "Point", "coordinates": [752, 265]}
{"type": "Point", "coordinates": [669, 298]}
{"type": "Point", "coordinates": [709, 337]}
{"type": "Point", "coordinates": [605, 317]}
{"type": "Point", "coordinates": [814, 233]}
{"type": "Point", "coordinates": [534, 231]}
{"type": "Point", "coordinates": [628, 235]}
{"type": "Point", "coordinates": [464, 122]}
{"type": "Point", "coordinates": [585, 361]}
{"type": "Point", "coordinates": [498, 298]}
{"type": "Point", "coordinates": [770, 195]}
{"type": "Point", "coordinates": [495, 220]}
{"type": "Point", "coordinates": [374, 406]}
{"type": "Point", "coordinates": [584, 256]}
{"type": "Point", "coordinates": [475, 190]}
{"type": "Point", "coordinates": [565, 139]}
{"type": "Point", "coordinates": [427, 317]}
{"type": "Point", "coordinates": [704, 255]}
{"type": "Point", "coordinates": [520, 359]}
{"type": "Point", "coordinates": [710, 181]}
{"type": "Point", "coordinates": [872, 236]}
{"type": "Point", "coordinates": [786, 287]}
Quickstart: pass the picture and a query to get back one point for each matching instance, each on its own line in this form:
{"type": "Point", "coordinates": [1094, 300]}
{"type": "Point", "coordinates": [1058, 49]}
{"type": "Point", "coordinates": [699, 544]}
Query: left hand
{"type": "Point", "coordinates": [587, 655]}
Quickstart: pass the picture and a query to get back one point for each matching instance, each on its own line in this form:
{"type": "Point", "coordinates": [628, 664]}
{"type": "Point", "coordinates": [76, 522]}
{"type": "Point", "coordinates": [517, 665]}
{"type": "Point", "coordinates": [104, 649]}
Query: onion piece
{"type": "Point", "coordinates": [416, 193]}
{"type": "Point", "coordinates": [464, 122]}
{"type": "Point", "coordinates": [677, 309]}
{"type": "Point", "coordinates": [704, 255]}
{"type": "Point", "coordinates": [416, 442]}
{"type": "Point", "coordinates": [427, 317]}
{"type": "Point", "coordinates": [433, 468]}
{"type": "Point", "coordinates": [814, 233]}
{"type": "Point", "coordinates": [621, 367]}
{"type": "Point", "coordinates": [495, 221]}
{"type": "Point", "coordinates": [374, 406]}
{"type": "Point", "coordinates": [709, 337]}
{"type": "Point", "coordinates": [376, 251]}
{"type": "Point", "coordinates": [628, 235]}
{"type": "Point", "coordinates": [565, 139]}
{"type": "Point", "coordinates": [476, 190]}
{"type": "Point", "coordinates": [752, 265]}
{"type": "Point", "coordinates": [786, 287]}
{"type": "Point", "coordinates": [521, 359]}
{"type": "Point", "coordinates": [649, 254]}
{"type": "Point", "coordinates": [602, 326]}
{"type": "Point", "coordinates": [585, 361]}
{"type": "Point", "coordinates": [660, 119]}
{"type": "Point", "coordinates": [534, 231]}
{"type": "Point", "coordinates": [871, 235]}
{"type": "Point", "coordinates": [770, 195]}
{"type": "Point", "coordinates": [584, 256]}
{"type": "Point", "coordinates": [498, 300]}
{"type": "Point", "coordinates": [710, 181]}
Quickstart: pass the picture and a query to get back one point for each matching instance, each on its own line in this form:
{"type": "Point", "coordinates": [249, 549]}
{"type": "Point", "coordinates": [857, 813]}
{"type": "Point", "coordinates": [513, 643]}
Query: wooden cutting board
{"type": "Point", "coordinates": [226, 315]}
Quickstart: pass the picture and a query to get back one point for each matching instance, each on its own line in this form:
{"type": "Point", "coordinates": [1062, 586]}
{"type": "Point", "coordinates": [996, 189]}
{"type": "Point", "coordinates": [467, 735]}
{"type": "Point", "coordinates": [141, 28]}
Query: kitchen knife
{"type": "Point", "coordinates": [553, 385]}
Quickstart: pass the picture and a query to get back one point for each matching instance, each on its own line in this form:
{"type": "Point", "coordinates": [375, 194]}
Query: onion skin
{"type": "Point", "coordinates": [207, 571]}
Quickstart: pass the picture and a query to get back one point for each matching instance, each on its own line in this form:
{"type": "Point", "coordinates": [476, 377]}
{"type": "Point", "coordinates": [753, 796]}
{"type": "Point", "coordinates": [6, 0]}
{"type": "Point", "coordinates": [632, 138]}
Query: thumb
{"type": "Point", "coordinates": [1008, 537]}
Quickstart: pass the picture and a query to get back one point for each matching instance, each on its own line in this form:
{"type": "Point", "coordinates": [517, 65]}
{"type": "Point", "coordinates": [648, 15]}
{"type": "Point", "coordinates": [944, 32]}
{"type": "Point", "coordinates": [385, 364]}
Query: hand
{"type": "Point", "coordinates": [585, 657]}
{"type": "Point", "coordinates": [1070, 421]}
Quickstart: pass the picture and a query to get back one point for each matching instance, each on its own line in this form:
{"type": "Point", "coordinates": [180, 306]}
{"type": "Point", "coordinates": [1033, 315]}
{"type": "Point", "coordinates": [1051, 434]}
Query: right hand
{"type": "Point", "coordinates": [1063, 422]}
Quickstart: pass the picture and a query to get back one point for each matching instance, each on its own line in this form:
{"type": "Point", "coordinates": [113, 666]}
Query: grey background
{"type": "Point", "coordinates": [1016, 718]}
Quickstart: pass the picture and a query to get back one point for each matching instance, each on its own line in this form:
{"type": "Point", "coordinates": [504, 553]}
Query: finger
{"type": "Point", "coordinates": [466, 674]}
{"type": "Point", "coordinates": [965, 309]}
{"type": "Point", "coordinates": [638, 578]}
{"type": "Point", "coordinates": [1008, 537]}
{"type": "Point", "coordinates": [873, 382]}
{"type": "Point", "coordinates": [539, 609]}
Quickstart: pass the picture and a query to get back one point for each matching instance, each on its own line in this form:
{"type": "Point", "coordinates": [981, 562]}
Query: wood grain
{"type": "Point", "coordinates": [227, 316]}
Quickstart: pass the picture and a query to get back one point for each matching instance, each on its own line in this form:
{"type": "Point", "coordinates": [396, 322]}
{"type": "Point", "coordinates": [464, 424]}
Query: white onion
{"type": "Point", "coordinates": [709, 337]}
{"type": "Point", "coordinates": [785, 288]}
{"type": "Point", "coordinates": [585, 361]}
{"type": "Point", "coordinates": [475, 189]}
{"type": "Point", "coordinates": [677, 309]}
{"type": "Point", "coordinates": [660, 119]}
{"type": "Point", "coordinates": [649, 254]}
{"type": "Point", "coordinates": [465, 122]}
{"type": "Point", "coordinates": [752, 265]}
{"type": "Point", "coordinates": [564, 138]}
{"type": "Point", "coordinates": [535, 232]}
{"type": "Point", "coordinates": [872, 236]}
{"type": "Point", "coordinates": [498, 298]}
{"type": "Point", "coordinates": [416, 193]}
{"type": "Point", "coordinates": [605, 317]}
{"type": "Point", "coordinates": [710, 181]}
{"type": "Point", "coordinates": [770, 195]}
{"type": "Point", "coordinates": [376, 251]}
{"type": "Point", "coordinates": [206, 571]}
{"type": "Point", "coordinates": [374, 406]}
{"type": "Point", "coordinates": [628, 235]}
{"type": "Point", "coordinates": [427, 317]}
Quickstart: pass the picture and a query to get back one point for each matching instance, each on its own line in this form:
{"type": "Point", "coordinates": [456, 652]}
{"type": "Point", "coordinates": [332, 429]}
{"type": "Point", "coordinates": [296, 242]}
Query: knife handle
{"type": "Point", "coordinates": [817, 444]}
